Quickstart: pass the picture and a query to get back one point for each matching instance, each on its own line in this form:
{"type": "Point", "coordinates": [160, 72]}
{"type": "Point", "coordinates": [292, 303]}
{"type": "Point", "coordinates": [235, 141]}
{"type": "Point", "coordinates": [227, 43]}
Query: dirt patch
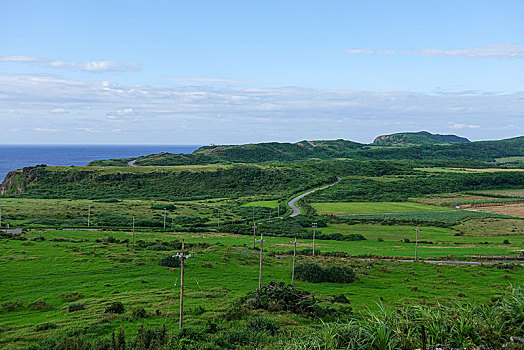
{"type": "Point", "coordinates": [509, 209]}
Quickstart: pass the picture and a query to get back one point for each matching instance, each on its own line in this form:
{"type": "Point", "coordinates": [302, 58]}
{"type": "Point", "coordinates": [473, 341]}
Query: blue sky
{"type": "Point", "coordinates": [195, 72]}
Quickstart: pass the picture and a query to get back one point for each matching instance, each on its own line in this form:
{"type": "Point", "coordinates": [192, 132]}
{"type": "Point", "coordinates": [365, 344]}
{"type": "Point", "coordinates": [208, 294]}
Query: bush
{"type": "Point", "coordinates": [340, 298]}
{"type": "Point", "coordinates": [115, 308]}
{"type": "Point", "coordinates": [314, 273]}
{"type": "Point", "coordinates": [10, 306]}
{"type": "Point", "coordinates": [76, 307]}
{"type": "Point", "coordinates": [169, 261]}
{"type": "Point", "coordinates": [505, 241]}
{"type": "Point", "coordinates": [138, 312]}
{"type": "Point", "coordinates": [338, 274]}
{"type": "Point", "coordinates": [45, 326]}
{"type": "Point", "coordinates": [73, 296]}
{"type": "Point", "coordinates": [262, 324]}
{"type": "Point", "coordinates": [39, 304]}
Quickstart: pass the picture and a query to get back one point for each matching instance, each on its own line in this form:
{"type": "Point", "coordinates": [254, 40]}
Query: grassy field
{"type": "Point", "coordinates": [346, 208]}
{"type": "Point", "coordinates": [102, 272]}
{"type": "Point", "coordinates": [445, 217]}
{"type": "Point", "coordinates": [262, 204]}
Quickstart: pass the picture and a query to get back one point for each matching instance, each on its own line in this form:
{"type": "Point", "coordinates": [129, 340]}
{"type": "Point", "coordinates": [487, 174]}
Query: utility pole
{"type": "Point", "coordinates": [254, 230]}
{"type": "Point", "coordinates": [218, 218]}
{"type": "Point", "coordinates": [417, 230]}
{"type": "Point", "coordinates": [165, 214]}
{"type": "Point", "coordinates": [314, 225]}
{"type": "Point", "coordinates": [261, 240]}
{"type": "Point", "coordinates": [133, 232]}
{"type": "Point", "coordinates": [294, 258]}
{"type": "Point", "coordinates": [89, 216]}
{"type": "Point", "coordinates": [278, 210]}
{"type": "Point", "coordinates": [0, 215]}
{"type": "Point", "coordinates": [173, 224]}
{"type": "Point", "coordinates": [182, 258]}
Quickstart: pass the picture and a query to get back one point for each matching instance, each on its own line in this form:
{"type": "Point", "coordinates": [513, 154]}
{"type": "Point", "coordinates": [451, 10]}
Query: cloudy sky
{"type": "Point", "coordinates": [195, 72]}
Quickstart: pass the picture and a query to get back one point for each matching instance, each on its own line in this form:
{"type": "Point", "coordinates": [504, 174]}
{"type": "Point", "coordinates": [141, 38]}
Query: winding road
{"type": "Point", "coordinates": [132, 163]}
{"type": "Point", "coordinates": [292, 203]}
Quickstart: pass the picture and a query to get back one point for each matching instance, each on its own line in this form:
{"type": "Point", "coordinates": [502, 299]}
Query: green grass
{"type": "Point", "coordinates": [263, 204]}
{"type": "Point", "coordinates": [214, 277]}
{"type": "Point", "coordinates": [444, 217]}
{"type": "Point", "coordinates": [345, 208]}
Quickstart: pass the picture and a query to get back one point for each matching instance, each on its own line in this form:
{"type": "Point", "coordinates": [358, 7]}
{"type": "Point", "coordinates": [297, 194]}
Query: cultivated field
{"type": "Point", "coordinates": [346, 208]}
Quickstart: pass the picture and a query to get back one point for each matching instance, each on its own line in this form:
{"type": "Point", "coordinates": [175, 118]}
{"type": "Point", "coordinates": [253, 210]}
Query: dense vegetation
{"type": "Point", "coordinates": [420, 146]}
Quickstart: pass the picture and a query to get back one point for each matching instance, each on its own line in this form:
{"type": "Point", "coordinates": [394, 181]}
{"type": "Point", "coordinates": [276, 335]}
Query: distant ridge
{"type": "Point", "coordinates": [417, 138]}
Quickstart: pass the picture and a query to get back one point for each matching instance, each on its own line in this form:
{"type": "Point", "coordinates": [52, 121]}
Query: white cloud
{"type": "Point", "coordinates": [209, 80]}
{"type": "Point", "coordinates": [58, 110]}
{"type": "Point", "coordinates": [19, 59]}
{"type": "Point", "coordinates": [503, 51]}
{"type": "Point", "coordinates": [89, 66]}
{"type": "Point", "coordinates": [459, 126]}
{"type": "Point", "coordinates": [156, 114]}
{"type": "Point", "coordinates": [47, 129]}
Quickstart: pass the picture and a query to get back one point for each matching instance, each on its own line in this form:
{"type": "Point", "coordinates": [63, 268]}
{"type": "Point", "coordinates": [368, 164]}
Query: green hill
{"type": "Point", "coordinates": [417, 138]}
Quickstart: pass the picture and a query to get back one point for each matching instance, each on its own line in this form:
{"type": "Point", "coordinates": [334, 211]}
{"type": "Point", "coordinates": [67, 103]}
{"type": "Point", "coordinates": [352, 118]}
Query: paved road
{"type": "Point", "coordinates": [132, 163]}
{"type": "Point", "coordinates": [296, 210]}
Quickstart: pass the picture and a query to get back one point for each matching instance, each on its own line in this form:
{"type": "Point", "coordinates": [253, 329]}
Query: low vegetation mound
{"type": "Point", "coordinates": [314, 273]}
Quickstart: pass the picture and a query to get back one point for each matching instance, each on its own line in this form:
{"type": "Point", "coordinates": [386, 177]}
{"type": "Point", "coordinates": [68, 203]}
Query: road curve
{"type": "Point", "coordinates": [292, 203]}
{"type": "Point", "coordinates": [132, 163]}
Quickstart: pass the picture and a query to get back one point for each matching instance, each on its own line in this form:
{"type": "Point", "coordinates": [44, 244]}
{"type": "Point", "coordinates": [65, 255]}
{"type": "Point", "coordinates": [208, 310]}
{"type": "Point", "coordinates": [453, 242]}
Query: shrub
{"type": "Point", "coordinates": [314, 273]}
{"type": "Point", "coordinates": [310, 272]}
{"type": "Point", "coordinates": [281, 297]}
{"type": "Point", "coordinates": [338, 274]}
{"type": "Point", "coordinates": [138, 312]}
{"type": "Point", "coordinates": [45, 326]}
{"type": "Point", "coordinates": [169, 261]}
{"type": "Point", "coordinates": [39, 304]}
{"type": "Point", "coordinates": [115, 308]}
{"type": "Point", "coordinates": [262, 324]}
{"type": "Point", "coordinates": [73, 296]}
{"type": "Point", "coordinates": [505, 241]}
{"type": "Point", "coordinates": [10, 306]}
{"type": "Point", "coordinates": [76, 307]}
{"type": "Point", "coordinates": [340, 298]}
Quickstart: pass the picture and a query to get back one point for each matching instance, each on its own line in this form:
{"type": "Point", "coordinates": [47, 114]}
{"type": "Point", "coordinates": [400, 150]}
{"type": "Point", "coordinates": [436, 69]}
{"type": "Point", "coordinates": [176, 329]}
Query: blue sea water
{"type": "Point", "coordinates": [16, 156]}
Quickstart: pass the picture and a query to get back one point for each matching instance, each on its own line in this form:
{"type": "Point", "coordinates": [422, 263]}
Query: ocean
{"type": "Point", "coordinates": [16, 156]}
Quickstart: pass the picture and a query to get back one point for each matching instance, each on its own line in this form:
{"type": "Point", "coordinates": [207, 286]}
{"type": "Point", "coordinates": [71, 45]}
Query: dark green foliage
{"type": "Point", "coordinates": [76, 307]}
{"type": "Point", "coordinates": [290, 227]}
{"type": "Point", "coordinates": [10, 306]}
{"type": "Point", "coordinates": [314, 273]}
{"type": "Point", "coordinates": [138, 312]}
{"type": "Point", "coordinates": [186, 220]}
{"type": "Point", "coordinates": [169, 261]}
{"type": "Point", "coordinates": [109, 200]}
{"type": "Point", "coordinates": [166, 185]}
{"type": "Point", "coordinates": [417, 138]}
{"type": "Point", "coordinates": [281, 297]}
{"type": "Point", "coordinates": [262, 324]}
{"type": "Point", "coordinates": [403, 188]}
{"type": "Point", "coordinates": [45, 326]}
{"type": "Point", "coordinates": [39, 305]}
{"type": "Point", "coordinates": [340, 298]}
{"type": "Point", "coordinates": [115, 308]}
{"type": "Point", "coordinates": [169, 207]}
{"type": "Point", "coordinates": [506, 241]}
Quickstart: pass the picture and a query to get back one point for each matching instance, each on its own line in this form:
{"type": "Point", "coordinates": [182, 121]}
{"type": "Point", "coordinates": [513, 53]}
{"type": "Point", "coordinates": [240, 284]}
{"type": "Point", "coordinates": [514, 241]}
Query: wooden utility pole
{"type": "Point", "coordinates": [89, 216]}
{"type": "Point", "coordinates": [417, 230]}
{"type": "Point", "coordinates": [314, 225]}
{"type": "Point", "coordinates": [294, 257]}
{"type": "Point", "coordinates": [261, 240]}
{"type": "Point", "coordinates": [218, 218]}
{"type": "Point", "coordinates": [165, 215]}
{"type": "Point", "coordinates": [0, 215]}
{"type": "Point", "coordinates": [133, 232]}
{"type": "Point", "coordinates": [182, 258]}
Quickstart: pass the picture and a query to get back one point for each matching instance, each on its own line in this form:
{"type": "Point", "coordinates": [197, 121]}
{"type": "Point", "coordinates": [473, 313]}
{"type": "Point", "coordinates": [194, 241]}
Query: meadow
{"type": "Point", "coordinates": [345, 208]}
{"type": "Point", "coordinates": [89, 268]}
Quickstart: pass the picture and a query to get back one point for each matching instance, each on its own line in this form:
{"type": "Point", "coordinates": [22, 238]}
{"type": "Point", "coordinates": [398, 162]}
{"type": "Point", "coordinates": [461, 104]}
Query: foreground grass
{"type": "Point", "coordinates": [220, 273]}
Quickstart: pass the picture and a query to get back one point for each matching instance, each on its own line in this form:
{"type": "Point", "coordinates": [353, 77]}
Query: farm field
{"type": "Point", "coordinates": [346, 208]}
{"type": "Point", "coordinates": [96, 273]}
{"type": "Point", "coordinates": [506, 209]}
